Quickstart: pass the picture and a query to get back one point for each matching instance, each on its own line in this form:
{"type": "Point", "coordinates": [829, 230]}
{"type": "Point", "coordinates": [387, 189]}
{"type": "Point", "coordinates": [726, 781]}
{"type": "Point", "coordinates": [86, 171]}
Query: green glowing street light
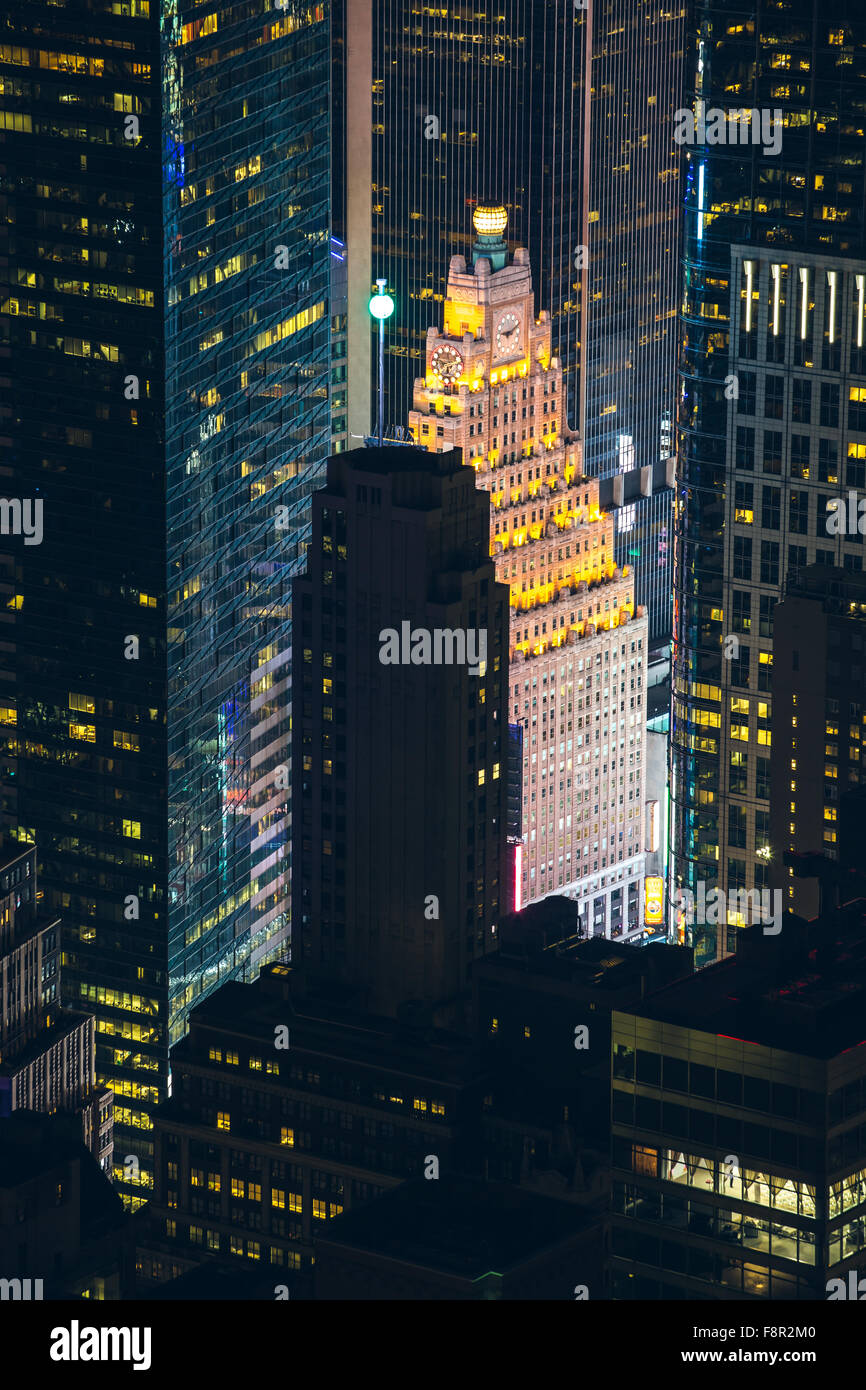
{"type": "Point", "coordinates": [381, 307]}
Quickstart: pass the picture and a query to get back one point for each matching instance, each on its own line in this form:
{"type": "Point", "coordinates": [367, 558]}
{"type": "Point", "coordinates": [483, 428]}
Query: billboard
{"type": "Point", "coordinates": [653, 900]}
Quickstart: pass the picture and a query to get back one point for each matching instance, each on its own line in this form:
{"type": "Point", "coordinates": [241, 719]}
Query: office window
{"type": "Point", "coordinates": [745, 450]}
{"type": "Point", "coordinates": [771, 508]}
{"type": "Point", "coordinates": [769, 562]}
{"type": "Point", "coordinates": [742, 557]}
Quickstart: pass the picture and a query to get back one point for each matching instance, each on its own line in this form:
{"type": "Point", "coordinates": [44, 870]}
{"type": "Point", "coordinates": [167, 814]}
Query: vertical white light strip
{"type": "Point", "coordinates": [749, 267]}
{"type": "Point", "coordinates": [861, 284]}
{"type": "Point", "coordinates": [701, 203]}
{"type": "Point", "coordinates": [776, 272]}
{"type": "Point", "coordinates": [804, 300]}
{"type": "Point", "coordinates": [831, 281]}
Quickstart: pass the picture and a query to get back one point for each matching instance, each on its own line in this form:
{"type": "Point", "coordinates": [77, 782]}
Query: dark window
{"type": "Point", "coordinates": [756, 1093]}
{"type": "Point", "coordinates": [798, 516]}
{"type": "Point", "coordinates": [801, 400]}
{"type": "Point", "coordinates": [770, 508]}
{"type": "Point", "coordinates": [830, 405]}
{"type": "Point", "coordinates": [742, 610]}
{"type": "Point", "coordinates": [745, 455]}
{"type": "Point", "coordinates": [747, 398]}
{"type": "Point", "coordinates": [756, 1140]}
{"type": "Point", "coordinates": [769, 562]}
{"type": "Point", "coordinates": [774, 397]}
{"type": "Point", "coordinates": [702, 1126]}
{"type": "Point", "coordinates": [737, 827]}
{"type": "Point", "coordinates": [701, 1081]}
{"type": "Point", "coordinates": [772, 455]}
{"type": "Point", "coordinates": [676, 1075]}
{"type": "Point", "coordinates": [742, 557]}
{"type": "Point", "coordinates": [800, 455]}
{"type": "Point", "coordinates": [828, 461]}
{"type": "Point", "coordinates": [647, 1113]}
{"type": "Point", "coordinates": [623, 1107]}
{"type": "Point", "coordinates": [675, 1120]}
{"type": "Point", "coordinates": [784, 1146]}
{"type": "Point", "coordinates": [649, 1068]}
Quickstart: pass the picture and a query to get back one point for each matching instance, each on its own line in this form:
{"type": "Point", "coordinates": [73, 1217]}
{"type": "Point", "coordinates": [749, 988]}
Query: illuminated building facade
{"type": "Point", "coordinates": [260, 1148]}
{"type": "Point", "coordinates": [795, 442]}
{"type": "Point", "coordinates": [578, 644]}
{"type": "Point", "coordinates": [247, 233]}
{"type": "Point", "coordinates": [47, 1057]}
{"type": "Point", "coordinates": [84, 727]}
{"type": "Point", "coordinates": [400, 862]}
{"type": "Point", "coordinates": [738, 1165]}
{"type": "Point", "coordinates": [769, 419]}
{"type": "Point", "coordinates": [166, 334]}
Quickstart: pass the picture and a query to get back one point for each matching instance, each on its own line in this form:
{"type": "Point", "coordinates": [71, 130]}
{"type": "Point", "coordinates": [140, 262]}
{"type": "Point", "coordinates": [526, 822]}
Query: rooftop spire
{"type": "Point", "coordinates": [490, 221]}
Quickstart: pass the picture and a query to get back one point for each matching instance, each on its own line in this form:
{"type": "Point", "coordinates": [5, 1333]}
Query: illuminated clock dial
{"type": "Point", "coordinates": [508, 335]}
{"type": "Point", "coordinates": [446, 363]}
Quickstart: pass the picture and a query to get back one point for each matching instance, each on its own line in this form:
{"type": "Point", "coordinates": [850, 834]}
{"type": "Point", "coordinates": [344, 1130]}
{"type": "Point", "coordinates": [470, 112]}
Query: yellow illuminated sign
{"type": "Point", "coordinates": [653, 900]}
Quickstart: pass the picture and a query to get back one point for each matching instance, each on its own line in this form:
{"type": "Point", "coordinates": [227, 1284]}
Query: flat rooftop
{"type": "Point", "coordinates": [323, 1027]}
{"type": "Point", "coordinates": [803, 991]}
{"type": "Point", "coordinates": [458, 1225]}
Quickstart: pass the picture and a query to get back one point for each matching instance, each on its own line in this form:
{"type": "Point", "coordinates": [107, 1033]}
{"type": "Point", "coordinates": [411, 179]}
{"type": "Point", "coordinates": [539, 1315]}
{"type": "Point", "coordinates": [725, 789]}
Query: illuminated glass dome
{"type": "Point", "coordinates": [489, 221]}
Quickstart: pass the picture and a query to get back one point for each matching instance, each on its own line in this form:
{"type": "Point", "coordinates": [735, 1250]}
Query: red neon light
{"type": "Point", "coordinates": [518, 877]}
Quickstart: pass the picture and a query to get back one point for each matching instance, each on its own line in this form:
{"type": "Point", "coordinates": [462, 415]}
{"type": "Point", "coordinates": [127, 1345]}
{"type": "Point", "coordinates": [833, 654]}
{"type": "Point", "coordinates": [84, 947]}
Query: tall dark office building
{"type": "Point", "coordinates": [818, 725]}
{"type": "Point", "coordinates": [161, 243]}
{"type": "Point", "coordinates": [83, 673]}
{"type": "Point", "coordinates": [400, 862]}
{"type": "Point", "coordinates": [771, 363]}
{"type": "Point", "coordinates": [638, 68]}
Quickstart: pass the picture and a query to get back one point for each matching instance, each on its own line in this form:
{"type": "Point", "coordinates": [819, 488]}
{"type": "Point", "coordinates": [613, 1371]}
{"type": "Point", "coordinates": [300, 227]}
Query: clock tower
{"type": "Point", "coordinates": [577, 643]}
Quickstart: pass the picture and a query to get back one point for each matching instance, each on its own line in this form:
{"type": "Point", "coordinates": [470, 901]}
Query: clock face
{"type": "Point", "coordinates": [508, 335]}
{"type": "Point", "coordinates": [446, 363]}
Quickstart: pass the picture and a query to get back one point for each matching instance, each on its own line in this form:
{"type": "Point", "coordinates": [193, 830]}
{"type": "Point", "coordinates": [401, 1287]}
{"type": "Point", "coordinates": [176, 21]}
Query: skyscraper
{"type": "Point", "coordinates": [465, 105]}
{"type": "Point", "coordinates": [248, 427]}
{"type": "Point", "coordinates": [771, 347]}
{"type": "Point", "coordinates": [818, 725]}
{"type": "Point", "coordinates": [633, 234]}
{"type": "Point", "coordinates": [46, 1052]}
{"type": "Point", "coordinates": [564, 114]}
{"type": "Point", "coordinates": [577, 644]}
{"type": "Point", "coordinates": [400, 866]}
{"type": "Point", "coordinates": [84, 746]}
{"type": "Point", "coordinates": [163, 242]}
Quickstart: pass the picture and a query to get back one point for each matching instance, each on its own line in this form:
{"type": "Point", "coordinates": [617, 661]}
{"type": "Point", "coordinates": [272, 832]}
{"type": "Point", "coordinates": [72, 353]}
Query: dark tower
{"type": "Point", "coordinates": [400, 867]}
